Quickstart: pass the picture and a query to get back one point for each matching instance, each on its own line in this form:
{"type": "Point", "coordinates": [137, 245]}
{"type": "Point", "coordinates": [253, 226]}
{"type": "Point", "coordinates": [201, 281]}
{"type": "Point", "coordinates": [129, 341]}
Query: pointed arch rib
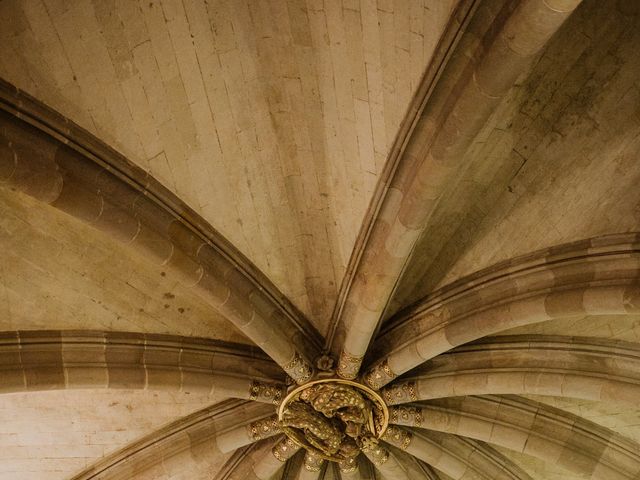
{"type": "Point", "coordinates": [456, 457]}
{"type": "Point", "coordinates": [350, 469]}
{"type": "Point", "coordinates": [416, 468]}
{"type": "Point", "coordinates": [311, 467]}
{"type": "Point", "coordinates": [550, 434]}
{"type": "Point", "coordinates": [201, 434]}
{"type": "Point", "coordinates": [584, 368]}
{"type": "Point", "coordinates": [599, 276]}
{"type": "Point", "coordinates": [399, 465]}
{"type": "Point", "coordinates": [47, 360]}
{"type": "Point", "coordinates": [360, 469]}
{"type": "Point", "coordinates": [428, 472]}
{"type": "Point", "coordinates": [261, 462]}
{"type": "Point", "coordinates": [492, 57]}
{"type": "Point", "coordinates": [270, 462]}
{"type": "Point", "coordinates": [56, 162]}
{"type": "Point", "coordinates": [235, 461]}
{"type": "Point", "coordinates": [386, 462]}
{"type": "Point", "coordinates": [366, 469]}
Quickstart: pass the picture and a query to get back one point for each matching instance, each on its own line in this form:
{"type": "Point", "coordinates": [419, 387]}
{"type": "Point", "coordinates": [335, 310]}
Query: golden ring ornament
{"type": "Point", "coordinates": [333, 418]}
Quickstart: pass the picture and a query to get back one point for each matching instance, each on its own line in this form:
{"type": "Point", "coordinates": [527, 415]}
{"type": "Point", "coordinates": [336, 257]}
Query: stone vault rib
{"type": "Point", "coordinates": [584, 368]}
{"type": "Point", "coordinates": [261, 462]}
{"type": "Point", "coordinates": [56, 162]}
{"type": "Point", "coordinates": [366, 470]}
{"type": "Point", "coordinates": [200, 434]}
{"type": "Point", "coordinates": [386, 462]}
{"type": "Point", "coordinates": [352, 470]}
{"type": "Point", "coordinates": [434, 154]}
{"type": "Point", "coordinates": [416, 468]}
{"type": "Point", "coordinates": [457, 457]}
{"type": "Point", "coordinates": [294, 468]}
{"type": "Point", "coordinates": [264, 462]}
{"type": "Point", "coordinates": [234, 461]}
{"type": "Point", "coordinates": [311, 468]}
{"type": "Point", "coordinates": [591, 277]}
{"type": "Point", "coordinates": [423, 470]}
{"type": "Point", "coordinates": [529, 427]}
{"type": "Point", "coordinates": [450, 37]}
{"type": "Point", "coordinates": [46, 360]}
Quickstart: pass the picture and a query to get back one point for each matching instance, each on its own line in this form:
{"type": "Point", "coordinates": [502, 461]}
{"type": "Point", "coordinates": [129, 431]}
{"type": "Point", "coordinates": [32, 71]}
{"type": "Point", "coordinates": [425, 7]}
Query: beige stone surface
{"type": "Point", "coordinates": [557, 162]}
{"type": "Point", "coordinates": [552, 435]}
{"type": "Point", "coordinates": [538, 469]}
{"type": "Point", "coordinates": [593, 276]}
{"type": "Point", "coordinates": [58, 273]}
{"type": "Point", "coordinates": [184, 466]}
{"type": "Point", "coordinates": [625, 421]}
{"type": "Point", "coordinates": [272, 119]}
{"type": "Point", "coordinates": [620, 327]}
{"type": "Point", "coordinates": [122, 201]}
{"type": "Point", "coordinates": [499, 46]}
{"type": "Point", "coordinates": [56, 434]}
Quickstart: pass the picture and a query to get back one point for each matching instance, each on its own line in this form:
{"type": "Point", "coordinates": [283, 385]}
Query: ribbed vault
{"type": "Point", "coordinates": [187, 223]}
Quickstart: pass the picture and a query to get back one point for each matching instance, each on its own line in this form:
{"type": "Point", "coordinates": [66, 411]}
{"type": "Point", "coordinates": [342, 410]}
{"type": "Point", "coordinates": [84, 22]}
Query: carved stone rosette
{"type": "Point", "coordinates": [334, 419]}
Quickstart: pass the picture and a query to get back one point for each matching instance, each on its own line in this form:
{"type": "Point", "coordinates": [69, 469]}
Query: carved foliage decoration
{"type": "Point", "coordinates": [334, 419]}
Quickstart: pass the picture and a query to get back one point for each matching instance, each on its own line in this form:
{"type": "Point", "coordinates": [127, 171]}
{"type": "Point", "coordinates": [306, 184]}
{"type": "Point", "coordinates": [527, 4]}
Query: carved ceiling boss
{"type": "Point", "coordinates": [334, 418]}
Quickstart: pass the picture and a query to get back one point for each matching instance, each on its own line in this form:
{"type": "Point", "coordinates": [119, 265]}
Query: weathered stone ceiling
{"type": "Point", "coordinates": [55, 434]}
{"type": "Point", "coordinates": [184, 467]}
{"type": "Point", "coordinates": [625, 421]}
{"type": "Point", "coordinates": [272, 119]}
{"type": "Point", "coordinates": [58, 273]}
{"type": "Point", "coordinates": [557, 162]}
{"type": "Point", "coordinates": [538, 469]}
{"type": "Point", "coordinates": [619, 327]}
{"type": "Point", "coordinates": [266, 120]}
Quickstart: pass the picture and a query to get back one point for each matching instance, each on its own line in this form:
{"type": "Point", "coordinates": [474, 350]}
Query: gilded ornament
{"type": "Point", "coordinates": [313, 462]}
{"type": "Point", "coordinates": [403, 415]}
{"type": "Point", "coordinates": [403, 392]}
{"type": "Point", "coordinates": [265, 428]}
{"type": "Point", "coordinates": [398, 437]}
{"type": "Point", "coordinates": [299, 369]}
{"type": "Point", "coordinates": [380, 375]}
{"type": "Point", "coordinates": [348, 465]}
{"type": "Point", "coordinates": [378, 455]}
{"type": "Point", "coordinates": [266, 392]}
{"type": "Point", "coordinates": [284, 449]}
{"type": "Point", "coordinates": [333, 418]}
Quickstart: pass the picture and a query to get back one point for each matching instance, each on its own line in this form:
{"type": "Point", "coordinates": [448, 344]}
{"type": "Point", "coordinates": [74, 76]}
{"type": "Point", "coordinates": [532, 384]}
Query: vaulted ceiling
{"type": "Point", "coordinates": [198, 197]}
{"type": "Point", "coordinates": [272, 120]}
